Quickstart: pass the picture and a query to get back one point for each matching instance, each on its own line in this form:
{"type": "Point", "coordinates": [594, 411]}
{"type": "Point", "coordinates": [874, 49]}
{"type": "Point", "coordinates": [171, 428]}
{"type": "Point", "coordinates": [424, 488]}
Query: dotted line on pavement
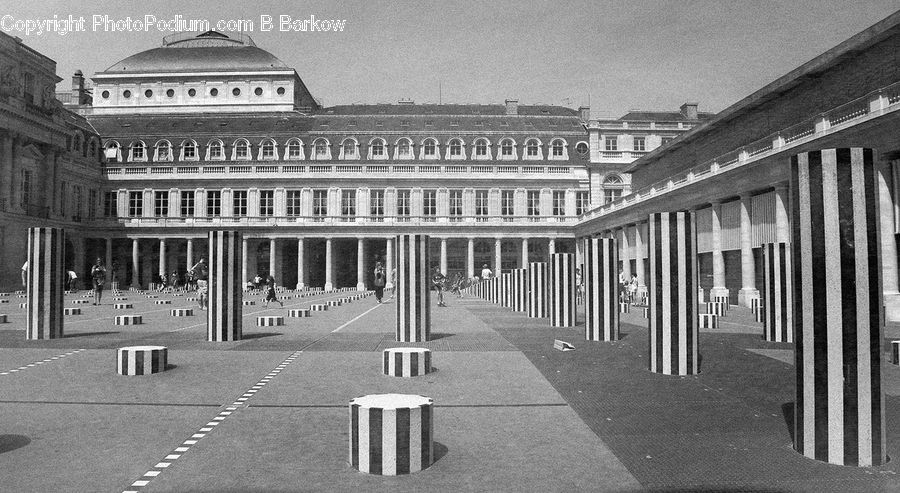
{"type": "Point", "coordinates": [41, 362]}
{"type": "Point", "coordinates": [176, 454]}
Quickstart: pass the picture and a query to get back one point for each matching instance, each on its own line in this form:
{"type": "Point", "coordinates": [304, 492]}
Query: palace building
{"type": "Point", "coordinates": [210, 131]}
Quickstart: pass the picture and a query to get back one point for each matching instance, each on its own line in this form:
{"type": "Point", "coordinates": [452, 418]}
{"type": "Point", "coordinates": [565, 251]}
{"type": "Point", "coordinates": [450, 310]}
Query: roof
{"type": "Point", "coordinates": [664, 116]}
{"type": "Point", "coordinates": [447, 109]}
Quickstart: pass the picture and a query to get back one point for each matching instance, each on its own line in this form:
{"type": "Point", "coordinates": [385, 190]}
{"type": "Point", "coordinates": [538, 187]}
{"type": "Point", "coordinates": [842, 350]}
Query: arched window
{"type": "Point", "coordinates": [429, 149]}
{"type": "Point", "coordinates": [455, 149]}
{"type": "Point", "coordinates": [532, 149]}
{"type": "Point", "coordinates": [321, 149]}
{"type": "Point", "coordinates": [507, 149]}
{"type": "Point", "coordinates": [294, 149]}
{"type": "Point", "coordinates": [163, 151]}
{"type": "Point", "coordinates": [267, 150]}
{"type": "Point", "coordinates": [481, 149]}
{"type": "Point", "coordinates": [241, 150]}
{"type": "Point", "coordinates": [113, 152]}
{"type": "Point", "coordinates": [138, 151]}
{"type": "Point", "coordinates": [349, 149]}
{"type": "Point", "coordinates": [376, 149]}
{"type": "Point", "coordinates": [215, 151]}
{"type": "Point", "coordinates": [612, 180]}
{"type": "Point", "coordinates": [93, 148]}
{"type": "Point", "coordinates": [404, 149]}
{"type": "Point", "coordinates": [189, 151]}
{"type": "Point", "coordinates": [581, 148]}
{"type": "Point", "coordinates": [613, 186]}
{"type": "Point", "coordinates": [557, 148]}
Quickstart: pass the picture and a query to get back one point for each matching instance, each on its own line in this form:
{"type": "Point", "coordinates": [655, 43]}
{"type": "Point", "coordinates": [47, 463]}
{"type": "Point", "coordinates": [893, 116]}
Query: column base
{"type": "Point", "coordinates": [329, 286]}
{"type": "Point", "coordinates": [301, 286]}
{"type": "Point", "coordinates": [747, 294]}
{"type": "Point", "coordinates": [360, 286]}
{"type": "Point", "coordinates": [717, 291]}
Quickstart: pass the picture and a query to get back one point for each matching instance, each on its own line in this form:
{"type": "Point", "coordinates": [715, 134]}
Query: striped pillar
{"type": "Point", "coordinates": [837, 299]}
{"type": "Point", "coordinates": [561, 289]}
{"type": "Point", "coordinates": [391, 434]}
{"type": "Point", "coordinates": [506, 290]}
{"type": "Point", "coordinates": [601, 289]}
{"type": "Point", "coordinates": [407, 361]}
{"type": "Point", "coordinates": [778, 317]}
{"type": "Point", "coordinates": [141, 360]}
{"type": "Point", "coordinates": [673, 293]}
{"type": "Point", "coordinates": [46, 274]}
{"type": "Point", "coordinates": [537, 289]}
{"type": "Point", "coordinates": [520, 290]}
{"type": "Point", "coordinates": [413, 289]}
{"type": "Point", "coordinates": [495, 290]}
{"type": "Point", "coordinates": [225, 292]}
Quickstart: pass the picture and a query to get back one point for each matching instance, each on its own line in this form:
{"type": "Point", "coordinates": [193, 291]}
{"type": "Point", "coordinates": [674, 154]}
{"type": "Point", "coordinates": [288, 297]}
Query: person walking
{"type": "Point", "coordinates": [25, 274]}
{"type": "Point", "coordinates": [113, 275]}
{"type": "Point", "coordinates": [485, 272]}
{"type": "Point", "coordinates": [72, 276]}
{"type": "Point", "coordinates": [632, 288]}
{"type": "Point", "coordinates": [270, 291]}
{"type": "Point", "coordinates": [200, 273]}
{"type": "Point", "coordinates": [380, 278]}
{"type": "Point", "coordinates": [98, 277]}
{"type": "Point", "coordinates": [456, 284]}
{"type": "Point", "coordinates": [437, 279]}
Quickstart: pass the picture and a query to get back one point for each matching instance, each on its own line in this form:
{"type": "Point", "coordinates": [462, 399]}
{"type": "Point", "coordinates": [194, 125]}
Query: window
{"type": "Point", "coordinates": [239, 203]}
{"type": "Point", "coordinates": [581, 148]}
{"type": "Point", "coordinates": [377, 150]}
{"type": "Point", "coordinates": [640, 144]}
{"type": "Point", "coordinates": [348, 148]}
{"type": "Point", "coordinates": [533, 203]}
{"type": "Point", "coordinates": [187, 203]}
{"type": "Point", "coordinates": [481, 204]}
{"type": "Point", "coordinates": [532, 148]}
{"type": "Point", "coordinates": [92, 204]}
{"type": "Point", "coordinates": [429, 203]}
{"type": "Point", "coordinates": [137, 151]}
{"type": "Point", "coordinates": [295, 149]}
{"type": "Point", "coordinates": [376, 203]}
{"type": "Point", "coordinates": [236, 92]}
{"type": "Point", "coordinates": [666, 140]}
{"type": "Point", "coordinates": [280, 91]}
{"type": "Point", "coordinates": [403, 203]}
{"type": "Point", "coordinates": [559, 203]}
{"type": "Point", "coordinates": [294, 199]}
{"type": "Point", "coordinates": [25, 189]}
{"type": "Point", "coordinates": [268, 150]}
{"type": "Point", "coordinates": [215, 150]}
{"type": "Point", "coordinates": [507, 149]}
{"type": "Point", "coordinates": [456, 207]}
{"type": "Point", "coordinates": [612, 144]}
{"type": "Point", "coordinates": [321, 149]}
{"type": "Point", "coordinates": [189, 149]}
{"type": "Point", "coordinates": [148, 94]}
{"type": "Point", "coordinates": [429, 150]}
{"type": "Point", "coordinates": [161, 203]}
{"type": "Point", "coordinates": [112, 152]}
{"type": "Point", "coordinates": [455, 149]}
{"type": "Point", "coordinates": [110, 204]}
{"type": "Point", "coordinates": [481, 149]}
{"type": "Point", "coordinates": [170, 93]}
{"type": "Point", "coordinates": [557, 148]}
{"type": "Point", "coordinates": [611, 194]}
{"type": "Point", "coordinates": [163, 151]}
{"type": "Point", "coordinates": [213, 92]}
{"type": "Point", "coordinates": [63, 198]}
{"type": "Point", "coordinates": [78, 202]}
{"type": "Point", "coordinates": [348, 203]}
{"type": "Point", "coordinates": [213, 203]}
{"type": "Point", "coordinates": [192, 92]}
{"type": "Point", "coordinates": [258, 91]}
{"type": "Point", "coordinates": [241, 150]}
{"type": "Point", "coordinates": [506, 203]}
{"type": "Point", "coordinates": [320, 203]}
{"type": "Point", "coordinates": [126, 94]}
{"type": "Point", "coordinates": [581, 202]}
{"type": "Point", "coordinates": [135, 204]}
{"type": "Point", "coordinates": [266, 203]}
{"type": "Point", "coordinates": [404, 149]}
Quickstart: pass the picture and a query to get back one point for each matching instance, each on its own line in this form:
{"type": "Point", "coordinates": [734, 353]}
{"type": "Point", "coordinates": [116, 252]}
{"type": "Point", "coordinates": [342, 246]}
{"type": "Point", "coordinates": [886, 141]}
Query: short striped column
{"type": "Point", "coordinates": [601, 289]}
{"type": "Point", "coordinates": [494, 290]}
{"type": "Point", "coordinates": [716, 308]}
{"type": "Point", "coordinates": [673, 275]}
{"type": "Point", "coordinates": [46, 255]}
{"type": "Point", "coordinates": [895, 350]}
{"type": "Point", "coordinates": [269, 321]}
{"type": "Point", "coordinates": [537, 289]}
{"type": "Point", "coordinates": [182, 312]}
{"type": "Point", "coordinates": [520, 290]}
{"type": "Point", "coordinates": [71, 311]}
{"type": "Point", "coordinates": [163, 302]}
{"type": "Point", "coordinates": [391, 434]}
{"type": "Point", "coordinates": [561, 288]}
{"type": "Point", "coordinates": [755, 303]}
{"type": "Point", "coordinates": [3, 318]}
{"type": "Point", "coordinates": [128, 320]}
{"type": "Point", "coordinates": [141, 360]}
{"type": "Point", "coordinates": [837, 300]}
{"type": "Point", "coordinates": [407, 361]}
{"type": "Point", "coordinates": [709, 321]}
{"type": "Point", "coordinates": [333, 302]}
{"type": "Point", "coordinates": [778, 317]}
{"type": "Point", "coordinates": [80, 302]}
{"type": "Point", "coordinates": [223, 321]}
{"type": "Point", "coordinates": [413, 289]}
{"type": "Point", "coordinates": [319, 307]}
{"type": "Point", "coordinates": [506, 290]}
{"type": "Point", "coordinates": [299, 313]}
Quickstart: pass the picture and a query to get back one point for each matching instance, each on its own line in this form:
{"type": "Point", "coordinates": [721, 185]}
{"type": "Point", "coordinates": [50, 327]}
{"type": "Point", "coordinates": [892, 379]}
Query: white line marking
{"type": "Point", "coordinates": [354, 319]}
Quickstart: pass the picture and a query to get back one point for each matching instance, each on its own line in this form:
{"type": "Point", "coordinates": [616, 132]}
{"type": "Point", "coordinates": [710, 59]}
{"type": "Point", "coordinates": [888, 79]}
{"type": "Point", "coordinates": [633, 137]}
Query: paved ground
{"type": "Point", "coordinates": [512, 414]}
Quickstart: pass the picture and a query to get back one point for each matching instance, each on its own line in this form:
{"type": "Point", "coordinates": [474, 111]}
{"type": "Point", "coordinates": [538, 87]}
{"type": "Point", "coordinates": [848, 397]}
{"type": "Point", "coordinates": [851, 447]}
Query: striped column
{"type": "Point", "coordinates": [673, 293]}
{"type": "Point", "coordinates": [413, 289]}
{"type": "Point", "coordinates": [141, 360]}
{"type": "Point", "coordinates": [561, 288]}
{"type": "Point", "coordinates": [407, 361]}
{"type": "Point", "coordinates": [391, 434]}
{"type": "Point", "coordinates": [46, 273]}
{"type": "Point", "coordinates": [495, 290]}
{"type": "Point", "coordinates": [537, 289]}
{"type": "Point", "coordinates": [601, 289]}
{"type": "Point", "coordinates": [506, 289]}
{"type": "Point", "coordinates": [837, 299]}
{"type": "Point", "coordinates": [778, 317]}
{"type": "Point", "coordinates": [520, 290]}
{"type": "Point", "coordinates": [225, 292]}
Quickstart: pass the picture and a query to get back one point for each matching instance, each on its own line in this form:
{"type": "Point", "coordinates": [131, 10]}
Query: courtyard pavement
{"type": "Point", "coordinates": [269, 413]}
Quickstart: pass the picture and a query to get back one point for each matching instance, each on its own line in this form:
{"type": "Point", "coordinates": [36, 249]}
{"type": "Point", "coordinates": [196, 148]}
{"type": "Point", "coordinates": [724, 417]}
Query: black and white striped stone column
{"type": "Point", "coordinates": [391, 434]}
{"type": "Point", "coordinates": [537, 289]}
{"type": "Point", "coordinates": [506, 290]}
{"type": "Point", "coordinates": [837, 299]}
{"type": "Point", "coordinates": [520, 290]}
{"type": "Point", "coordinates": [141, 360]}
{"type": "Point", "coordinates": [561, 289]}
{"type": "Point", "coordinates": [674, 348]}
{"type": "Point", "coordinates": [778, 316]}
{"type": "Point", "coordinates": [601, 289]}
{"type": "Point", "coordinates": [225, 290]}
{"type": "Point", "coordinates": [413, 289]}
{"type": "Point", "coordinates": [46, 272]}
{"type": "Point", "coordinates": [407, 361]}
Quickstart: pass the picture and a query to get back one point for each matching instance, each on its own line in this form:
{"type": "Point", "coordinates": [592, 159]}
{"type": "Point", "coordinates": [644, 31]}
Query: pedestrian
{"type": "Point", "coordinates": [98, 277]}
{"type": "Point", "coordinates": [579, 286]}
{"type": "Point", "coordinates": [632, 288]}
{"type": "Point", "coordinates": [270, 291]}
{"type": "Point", "coordinates": [379, 281]}
{"type": "Point", "coordinates": [622, 288]}
{"type": "Point", "coordinates": [486, 272]}
{"type": "Point", "coordinates": [72, 276]}
{"type": "Point", "coordinates": [437, 279]}
{"type": "Point", "coordinates": [456, 285]}
{"type": "Point", "coordinates": [114, 275]}
{"type": "Point", "coordinates": [200, 274]}
{"type": "Point", "coordinates": [25, 274]}
{"type": "Point", "coordinates": [393, 281]}
{"type": "Point", "coordinates": [173, 279]}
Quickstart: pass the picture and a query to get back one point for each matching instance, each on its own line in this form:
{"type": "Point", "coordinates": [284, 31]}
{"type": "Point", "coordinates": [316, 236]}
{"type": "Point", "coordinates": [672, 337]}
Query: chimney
{"type": "Point", "coordinates": [689, 110]}
{"type": "Point", "coordinates": [78, 88]}
{"type": "Point", "coordinates": [512, 106]}
{"type": "Point", "coordinates": [406, 101]}
{"type": "Point", "coordinates": [585, 113]}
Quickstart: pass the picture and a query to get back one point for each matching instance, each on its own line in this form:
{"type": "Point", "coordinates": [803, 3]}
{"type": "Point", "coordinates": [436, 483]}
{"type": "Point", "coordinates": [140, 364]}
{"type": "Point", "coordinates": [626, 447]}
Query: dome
{"type": "Point", "coordinates": [210, 51]}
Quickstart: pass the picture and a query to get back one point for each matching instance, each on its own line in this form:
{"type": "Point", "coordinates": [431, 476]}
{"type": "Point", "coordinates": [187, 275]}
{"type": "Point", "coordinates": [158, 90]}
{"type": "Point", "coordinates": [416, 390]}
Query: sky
{"type": "Point", "coordinates": [615, 55]}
